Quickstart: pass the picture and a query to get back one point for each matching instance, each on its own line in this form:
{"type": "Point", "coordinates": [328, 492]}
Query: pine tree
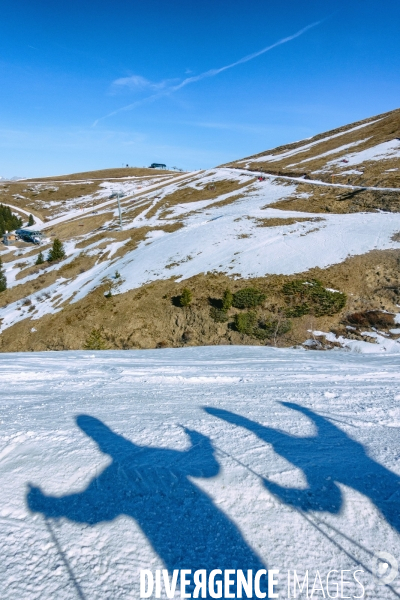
{"type": "Point", "coordinates": [186, 297]}
{"type": "Point", "coordinates": [40, 259]}
{"type": "Point", "coordinates": [3, 279]}
{"type": "Point", "coordinates": [8, 221]}
{"type": "Point", "coordinates": [31, 221]}
{"type": "Point", "coordinates": [227, 300]}
{"type": "Point", "coordinates": [57, 251]}
{"type": "Point", "coordinates": [95, 341]}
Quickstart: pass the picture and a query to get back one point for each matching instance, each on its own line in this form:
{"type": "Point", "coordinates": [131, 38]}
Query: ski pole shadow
{"type": "Point", "coordinates": [153, 487]}
{"type": "Point", "coordinates": [326, 459]}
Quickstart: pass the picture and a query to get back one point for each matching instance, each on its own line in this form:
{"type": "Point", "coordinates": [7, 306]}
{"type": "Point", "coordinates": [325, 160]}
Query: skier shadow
{"type": "Point", "coordinates": [326, 459]}
{"type": "Point", "coordinates": [152, 486]}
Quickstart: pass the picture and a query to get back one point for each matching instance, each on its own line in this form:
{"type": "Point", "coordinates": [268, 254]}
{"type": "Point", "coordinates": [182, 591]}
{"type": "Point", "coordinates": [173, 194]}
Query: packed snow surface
{"type": "Point", "coordinates": [220, 457]}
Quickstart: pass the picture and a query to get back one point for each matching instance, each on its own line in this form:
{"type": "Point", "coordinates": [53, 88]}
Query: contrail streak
{"type": "Point", "coordinates": [213, 72]}
{"type": "Point", "coordinates": [210, 72]}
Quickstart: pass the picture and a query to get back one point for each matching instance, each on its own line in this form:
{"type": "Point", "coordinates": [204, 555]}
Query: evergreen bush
{"type": "Point", "coordinates": [31, 221]}
{"type": "Point", "coordinates": [272, 328]}
{"type": "Point", "coordinates": [186, 297]}
{"type": "Point", "coordinates": [304, 297]}
{"type": "Point", "coordinates": [227, 300]}
{"type": "Point", "coordinates": [95, 341]}
{"type": "Point", "coordinates": [245, 322]}
{"type": "Point", "coordinates": [40, 259]}
{"type": "Point", "coordinates": [248, 298]}
{"type": "Point", "coordinates": [219, 315]}
{"type": "Point", "coordinates": [57, 251]}
{"type": "Point", "coordinates": [3, 278]}
{"type": "Point", "coordinates": [299, 310]}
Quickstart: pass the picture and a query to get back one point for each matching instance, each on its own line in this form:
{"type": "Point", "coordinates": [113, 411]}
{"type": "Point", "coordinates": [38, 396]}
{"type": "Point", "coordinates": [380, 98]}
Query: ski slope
{"type": "Point", "coordinates": [220, 457]}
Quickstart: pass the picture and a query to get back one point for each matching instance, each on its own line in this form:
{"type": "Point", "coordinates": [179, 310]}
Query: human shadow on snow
{"type": "Point", "coordinates": [152, 486]}
{"type": "Point", "coordinates": [326, 459]}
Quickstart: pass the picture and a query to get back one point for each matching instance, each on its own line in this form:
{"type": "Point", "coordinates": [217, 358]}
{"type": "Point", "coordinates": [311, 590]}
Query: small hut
{"type": "Point", "coordinates": [9, 238]}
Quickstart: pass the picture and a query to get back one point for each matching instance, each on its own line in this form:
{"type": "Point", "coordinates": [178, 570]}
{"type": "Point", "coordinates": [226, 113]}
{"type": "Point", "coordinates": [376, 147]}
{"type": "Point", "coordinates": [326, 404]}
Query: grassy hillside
{"type": "Point", "coordinates": [108, 173]}
{"type": "Point", "coordinates": [363, 153]}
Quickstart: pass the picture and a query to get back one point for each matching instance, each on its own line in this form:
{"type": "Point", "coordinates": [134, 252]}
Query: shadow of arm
{"type": "Point", "coordinates": [327, 499]}
{"type": "Point", "coordinates": [199, 459]}
{"type": "Point", "coordinates": [83, 507]}
{"type": "Point", "coordinates": [267, 434]}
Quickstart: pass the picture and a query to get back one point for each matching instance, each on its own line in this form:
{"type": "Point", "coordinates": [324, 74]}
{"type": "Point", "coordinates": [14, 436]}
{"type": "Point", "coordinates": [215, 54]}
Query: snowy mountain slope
{"type": "Point", "coordinates": [223, 240]}
{"type": "Point", "coordinates": [210, 457]}
{"type": "Point", "coordinates": [222, 234]}
{"type": "Point", "coordinates": [228, 220]}
{"type": "Point", "coordinates": [372, 146]}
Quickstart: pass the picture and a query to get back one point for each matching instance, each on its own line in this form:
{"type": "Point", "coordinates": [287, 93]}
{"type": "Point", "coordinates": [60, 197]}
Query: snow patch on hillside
{"type": "Point", "coordinates": [329, 152]}
{"type": "Point", "coordinates": [384, 151]}
{"type": "Point", "coordinates": [303, 148]}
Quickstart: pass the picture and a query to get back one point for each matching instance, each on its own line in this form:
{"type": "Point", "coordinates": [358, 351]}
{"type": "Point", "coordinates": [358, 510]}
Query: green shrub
{"type": "Point", "coordinates": [57, 251]}
{"type": "Point", "coordinates": [299, 310]}
{"type": "Point", "coordinates": [304, 297]}
{"type": "Point", "coordinates": [248, 323]}
{"type": "Point", "coordinates": [40, 259]}
{"type": "Point", "coordinates": [327, 302]}
{"type": "Point", "coordinates": [219, 315]}
{"type": "Point", "coordinates": [248, 298]}
{"type": "Point", "coordinates": [31, 221]}
{"type": "Point", "coordinates": [95, 341]}
{"type": "Point", "coordinates": [186, 297]}
{"type": "Point", "coordinates": [272, 328]}
{"type": "Point", "coordinates": [3, 278]}
{"type": "Point", "coordinates": [245, 322]}
{"type": "Point", "coordinates": [227, 300]}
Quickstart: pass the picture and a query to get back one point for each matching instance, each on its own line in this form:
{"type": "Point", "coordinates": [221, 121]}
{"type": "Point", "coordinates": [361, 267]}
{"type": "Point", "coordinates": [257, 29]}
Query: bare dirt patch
{"type": "Point", "coordinates": [326, 199]}
{"type": "Point", "coordinates": [280, 221]}
{"type": "Point", "coordinates": [79, 226]}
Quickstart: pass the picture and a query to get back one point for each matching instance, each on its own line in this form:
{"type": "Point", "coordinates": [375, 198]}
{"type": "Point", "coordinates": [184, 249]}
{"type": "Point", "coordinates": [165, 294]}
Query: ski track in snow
{"type": "Point", "coordinates": [201, 464]}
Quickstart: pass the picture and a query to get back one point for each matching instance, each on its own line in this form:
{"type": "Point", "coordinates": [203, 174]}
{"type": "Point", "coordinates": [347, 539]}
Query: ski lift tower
{"type": "Point", "coordinates": [119, 211]}
{"type": "Point", "coordinates": [118, 195]}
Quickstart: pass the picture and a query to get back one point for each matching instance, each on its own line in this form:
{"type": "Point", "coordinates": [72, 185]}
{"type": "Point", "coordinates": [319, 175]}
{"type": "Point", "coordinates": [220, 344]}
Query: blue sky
{"type": "Point", "coordinates": [89, 85]}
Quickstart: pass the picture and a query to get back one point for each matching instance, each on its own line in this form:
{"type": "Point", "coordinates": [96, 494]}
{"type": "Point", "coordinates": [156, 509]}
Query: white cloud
{"type": "Point", "coordinates": [137, 83]}
{"type": "Point", "coordinates": [134, 82]}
